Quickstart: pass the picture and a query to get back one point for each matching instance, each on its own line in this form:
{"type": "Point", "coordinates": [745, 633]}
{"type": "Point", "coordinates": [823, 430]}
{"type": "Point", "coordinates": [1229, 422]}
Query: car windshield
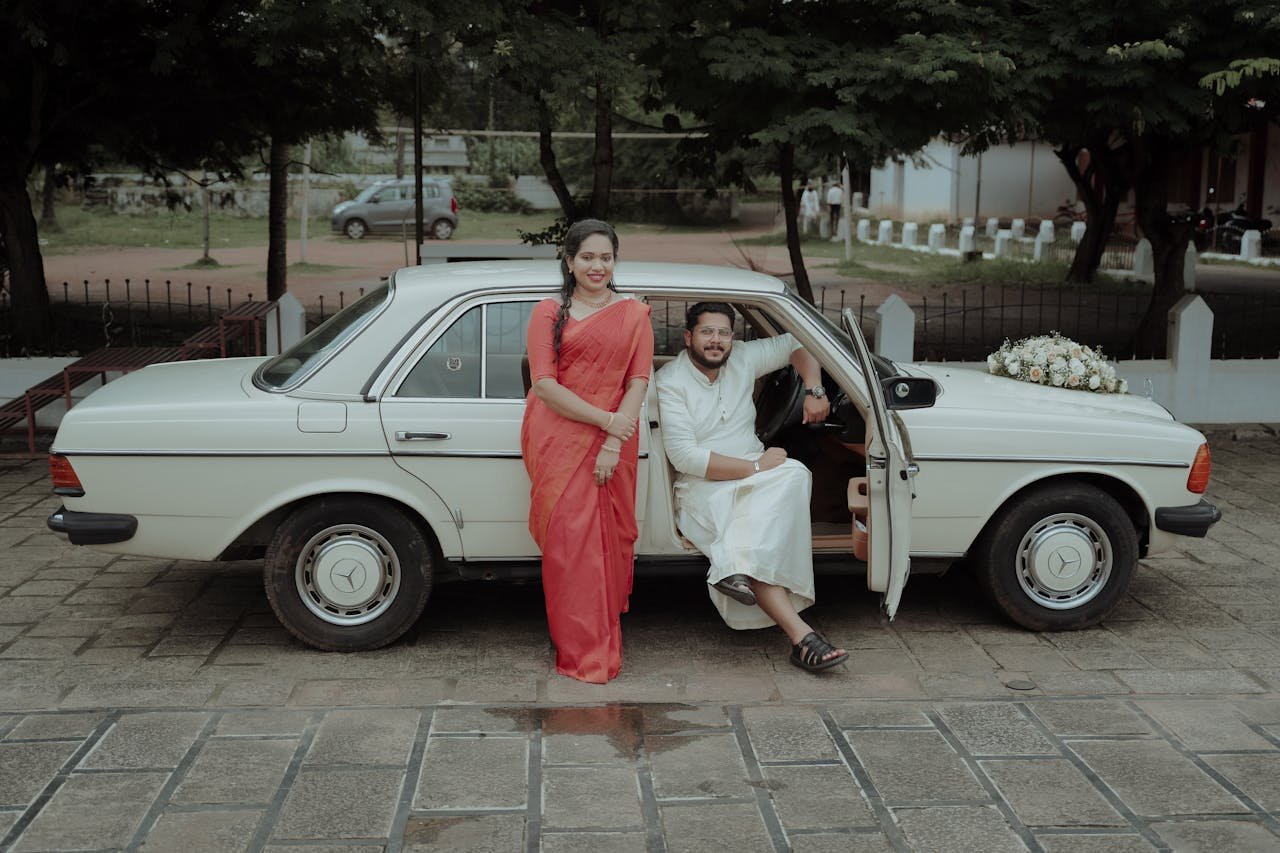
{"type": "Point", "coordinates": [884, 367]}
{"type": "Point", "coordinates": [291, 366]}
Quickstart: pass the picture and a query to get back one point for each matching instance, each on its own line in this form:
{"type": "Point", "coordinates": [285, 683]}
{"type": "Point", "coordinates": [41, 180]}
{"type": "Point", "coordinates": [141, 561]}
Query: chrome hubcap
{"type": "Point", "coordinates": [348, 574]}
{"type": "Point", "coordinates": [1064, 561]}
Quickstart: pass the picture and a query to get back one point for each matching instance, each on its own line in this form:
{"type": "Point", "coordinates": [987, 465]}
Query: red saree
{"type": "Point", "coordinates": [587, 533]}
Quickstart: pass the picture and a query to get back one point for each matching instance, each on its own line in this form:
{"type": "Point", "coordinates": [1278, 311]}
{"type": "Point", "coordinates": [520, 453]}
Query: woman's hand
{"type": "Point", "coordinates": [620, 426]}
{"type": "Point", "coordinates": [606, 463]}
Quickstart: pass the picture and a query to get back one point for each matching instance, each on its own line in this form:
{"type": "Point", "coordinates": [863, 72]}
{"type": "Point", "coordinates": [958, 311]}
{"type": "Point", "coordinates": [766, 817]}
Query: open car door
{"type": "Point", "coordinates": [889, 475]}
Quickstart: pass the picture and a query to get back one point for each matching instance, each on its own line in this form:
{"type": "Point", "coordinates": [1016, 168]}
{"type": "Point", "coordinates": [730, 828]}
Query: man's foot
{"type": "Point", "coordinates": [815, 654]}
{"type": "Point", "coordinates": [737, 587]}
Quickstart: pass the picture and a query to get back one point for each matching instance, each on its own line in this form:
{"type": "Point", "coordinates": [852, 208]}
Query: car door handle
{"type": "Point", "coordinates": [910, 471]}
{"type": "Point", "coordinates": [406, 435]}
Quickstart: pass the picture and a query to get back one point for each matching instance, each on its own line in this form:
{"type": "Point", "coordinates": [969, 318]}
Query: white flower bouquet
{"type": "Point", "coordinates": [1056, 360]}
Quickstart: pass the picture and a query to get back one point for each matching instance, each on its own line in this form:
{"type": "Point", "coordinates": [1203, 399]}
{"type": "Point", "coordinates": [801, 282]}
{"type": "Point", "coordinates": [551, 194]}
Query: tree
{"type": "Point", "coordinates": [1124, 84]}
{"type": "Point", "coordinates": [571, 59]}
{"type": "Point", "coordinates": [841, 79]}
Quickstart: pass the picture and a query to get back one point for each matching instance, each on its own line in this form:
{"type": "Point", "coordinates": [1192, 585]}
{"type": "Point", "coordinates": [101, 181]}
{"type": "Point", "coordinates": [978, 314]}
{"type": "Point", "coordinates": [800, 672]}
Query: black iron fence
{"type": "Point", "coordinates": [88, 315]}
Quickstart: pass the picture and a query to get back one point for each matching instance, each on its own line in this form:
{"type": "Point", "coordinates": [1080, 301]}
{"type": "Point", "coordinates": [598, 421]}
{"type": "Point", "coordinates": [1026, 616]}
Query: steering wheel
{"type": "Point", "coordinates": [780, 405]}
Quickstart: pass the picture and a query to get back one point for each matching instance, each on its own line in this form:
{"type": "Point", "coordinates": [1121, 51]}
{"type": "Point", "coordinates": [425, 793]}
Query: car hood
{"type": "Point", "coordinates": [983, 416]}
{"type": "Point", "coordinates": [156, 401]}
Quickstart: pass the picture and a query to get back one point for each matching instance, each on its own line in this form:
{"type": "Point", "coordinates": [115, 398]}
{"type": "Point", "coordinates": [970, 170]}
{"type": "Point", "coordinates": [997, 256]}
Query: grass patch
{"type": "Point", "coordinates": [305, 267]}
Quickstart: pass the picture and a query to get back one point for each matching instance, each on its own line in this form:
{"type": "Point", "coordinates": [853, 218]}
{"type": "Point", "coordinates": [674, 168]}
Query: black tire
{"type": "Point", "coordinates": [368, 543]}
{"type": "Point", "coordinates": [355, 229]}
{"type": "Point", "coordinates": [441, 229]}
{"type": "Point", "coordinates": [1058, 558]}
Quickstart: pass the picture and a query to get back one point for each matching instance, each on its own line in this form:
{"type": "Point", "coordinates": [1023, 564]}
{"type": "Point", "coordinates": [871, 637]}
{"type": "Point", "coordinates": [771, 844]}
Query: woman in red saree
{"type": "Point", "coordinates": [590, 354]}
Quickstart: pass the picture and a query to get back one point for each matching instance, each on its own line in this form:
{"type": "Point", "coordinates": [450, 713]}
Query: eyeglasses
{"type": "Point", "coordinates": [709, 332]}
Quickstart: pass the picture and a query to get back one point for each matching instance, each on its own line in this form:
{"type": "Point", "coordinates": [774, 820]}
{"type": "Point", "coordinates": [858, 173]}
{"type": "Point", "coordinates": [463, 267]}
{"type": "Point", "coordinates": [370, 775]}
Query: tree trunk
{"type": "Point", "coordinates": [49, 213]}
{"type": "Point", "coordinates": [277, 219]}
{"type": "Point", "coordinates": [602, 159]}
{"type": "Point", "coordinates": [547, 156]}
{"type": "Point", "coordinates": [790, 213]}
{"type": "Point", "coordinates": [30, 324]}
{"type": "Point", "coordinates": [1100, 202]}
{"type": "Point", "coordinates": [1169, 237]}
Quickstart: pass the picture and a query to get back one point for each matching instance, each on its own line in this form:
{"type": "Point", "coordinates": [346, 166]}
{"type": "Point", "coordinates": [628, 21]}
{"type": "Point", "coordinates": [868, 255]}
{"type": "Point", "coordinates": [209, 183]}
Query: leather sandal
{"type": "Point", "coordinates": [810, 652]}
{"type": "Point", "coordinates": [737, 587]}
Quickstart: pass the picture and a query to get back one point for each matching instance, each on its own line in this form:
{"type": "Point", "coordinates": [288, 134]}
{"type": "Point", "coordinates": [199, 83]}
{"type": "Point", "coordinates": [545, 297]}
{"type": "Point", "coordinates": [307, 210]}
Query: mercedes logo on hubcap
{"type": "Point", "coordinates": [348, 575]}
{"type": "Point", "coordinates": [1064, 562]}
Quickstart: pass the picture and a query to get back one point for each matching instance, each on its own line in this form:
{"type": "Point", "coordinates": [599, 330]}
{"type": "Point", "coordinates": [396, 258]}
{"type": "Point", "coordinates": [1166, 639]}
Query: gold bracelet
{"type": "Point", "coordinates": [608, 423]}
{"type": "Point", "coordinates": [606, 448]}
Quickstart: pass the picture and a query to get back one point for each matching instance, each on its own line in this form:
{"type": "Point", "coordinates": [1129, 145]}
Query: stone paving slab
{"type": "Point", "coordinates": [158, 705]}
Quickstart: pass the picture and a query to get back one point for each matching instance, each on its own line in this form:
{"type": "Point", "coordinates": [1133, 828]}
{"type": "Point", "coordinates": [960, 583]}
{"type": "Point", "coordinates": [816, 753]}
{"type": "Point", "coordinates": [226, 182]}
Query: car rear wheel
{"type": "Point", "coordinates": [1059, 558]}
{"type": "Point", "coordinates": [442, 229]}
{"type": "Point", "coordinates": [348, 574]}
{"type": "Point", "coordinates": [355, 228]}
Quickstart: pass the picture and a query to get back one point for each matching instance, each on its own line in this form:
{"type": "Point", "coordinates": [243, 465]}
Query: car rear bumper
{"type": "Point", "coordinates": [1188, 520]}
{"type": "Point", "coordinates": [93, 528]}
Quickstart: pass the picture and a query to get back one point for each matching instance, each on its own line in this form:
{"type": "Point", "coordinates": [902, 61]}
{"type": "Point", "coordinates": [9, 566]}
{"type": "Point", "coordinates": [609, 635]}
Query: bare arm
{"type": "Point", "coordinates": [815, 409]}
{"type": "Point", "coordinates": [567, 404]}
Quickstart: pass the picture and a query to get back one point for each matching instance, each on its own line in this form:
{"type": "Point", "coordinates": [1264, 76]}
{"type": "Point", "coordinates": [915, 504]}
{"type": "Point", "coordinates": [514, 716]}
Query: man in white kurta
{"type": "Point", "coordinates": [744, 506]}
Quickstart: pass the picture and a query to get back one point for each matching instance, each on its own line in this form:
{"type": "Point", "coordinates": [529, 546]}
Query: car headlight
{"type": "Point", "coordinates": [341, 207]}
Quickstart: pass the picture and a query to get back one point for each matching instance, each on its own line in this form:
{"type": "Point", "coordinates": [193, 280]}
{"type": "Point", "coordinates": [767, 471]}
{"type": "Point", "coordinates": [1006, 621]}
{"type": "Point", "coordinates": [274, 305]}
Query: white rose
{"type": "Point", "coordinates": [1110, 385]}
{"type": "Point", "coordinates": [1094, 382]}
{"type": "Point", "coordinates": [1013, 366]}
{"type": "Point", "coordinates": [1124, 387]}
{"type": "Point", "coordinates": [1073, 380]}
{"type": "Point", "coordinates": [1035, 374]}
{"type": "Point", "coordinates": [1076, 366]}
{"type": "Point", "coordinates": [1058, 378]}
{"type": "Point", "coordinates": [993, 363]}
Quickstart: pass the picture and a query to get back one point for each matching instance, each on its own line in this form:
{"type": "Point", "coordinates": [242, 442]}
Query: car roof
{"type": "Point", "coordinates": [435, 283]}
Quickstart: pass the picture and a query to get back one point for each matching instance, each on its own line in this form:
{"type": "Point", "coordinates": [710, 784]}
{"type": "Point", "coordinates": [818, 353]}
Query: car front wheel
{"type": "Point", "coordinates": [355, 229]}
{"type": "Point", "coordinates": [442, 229]}
{"type": "Point", "coordinates": [1059, 558]}
{"type": "Point", "coordinates": [348, 574]}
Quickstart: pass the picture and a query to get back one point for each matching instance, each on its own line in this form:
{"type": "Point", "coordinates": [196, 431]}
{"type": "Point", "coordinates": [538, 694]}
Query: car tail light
{"type": "Point", "coordinates": [453, 204]}
{"type": "Point", "coordinates": [65, 481]}
{"type": "Point", "coordinates": [1198, 479]}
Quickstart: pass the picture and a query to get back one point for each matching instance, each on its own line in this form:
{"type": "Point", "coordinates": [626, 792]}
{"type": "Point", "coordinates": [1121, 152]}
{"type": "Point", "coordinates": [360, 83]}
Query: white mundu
{"type": "Point", "coordinates": [758, 526]}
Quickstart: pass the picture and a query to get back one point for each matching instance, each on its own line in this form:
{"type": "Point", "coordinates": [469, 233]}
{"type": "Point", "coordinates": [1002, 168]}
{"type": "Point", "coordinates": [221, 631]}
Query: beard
{"type": "Point", "coordinates": [700, 359]}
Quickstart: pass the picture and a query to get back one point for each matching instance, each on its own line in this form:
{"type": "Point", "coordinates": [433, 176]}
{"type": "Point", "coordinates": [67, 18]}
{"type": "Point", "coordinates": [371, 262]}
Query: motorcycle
{"type": "Point", "coordinates": [1226, 231]}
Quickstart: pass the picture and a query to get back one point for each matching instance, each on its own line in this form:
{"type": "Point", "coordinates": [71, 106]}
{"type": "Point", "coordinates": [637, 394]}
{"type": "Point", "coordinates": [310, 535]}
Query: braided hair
{"type": "Point", "coordinates": [578, 232]}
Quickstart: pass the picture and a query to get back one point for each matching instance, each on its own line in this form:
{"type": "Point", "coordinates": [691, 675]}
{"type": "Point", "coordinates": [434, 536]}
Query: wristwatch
{"type": "Point", "coordinates": [756, 464]}
{"type": "Point", "coordinates": [816, 391]}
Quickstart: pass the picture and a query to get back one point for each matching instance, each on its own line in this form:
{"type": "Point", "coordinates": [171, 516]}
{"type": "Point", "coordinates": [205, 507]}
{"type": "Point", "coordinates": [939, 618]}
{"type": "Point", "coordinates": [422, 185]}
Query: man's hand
{"type": "Point", "coordinates": [816, 409]}
{"type": "Point", "coordinates": [772, 458]}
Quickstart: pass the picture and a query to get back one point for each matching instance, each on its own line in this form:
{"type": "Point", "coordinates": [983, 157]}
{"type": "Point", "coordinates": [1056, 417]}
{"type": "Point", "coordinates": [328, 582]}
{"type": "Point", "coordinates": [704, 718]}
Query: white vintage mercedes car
{"type": "Point", "coordinates": [381, 455]}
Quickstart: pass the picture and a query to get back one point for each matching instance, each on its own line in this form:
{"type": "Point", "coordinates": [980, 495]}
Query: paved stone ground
{"type": "Point", "coordinates": [157, 705]}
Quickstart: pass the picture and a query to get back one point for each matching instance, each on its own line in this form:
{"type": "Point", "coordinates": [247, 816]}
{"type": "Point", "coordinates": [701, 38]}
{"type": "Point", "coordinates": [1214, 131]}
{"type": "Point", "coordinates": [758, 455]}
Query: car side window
{"type": "Point", "coordinates": [505, 328]}
{"type": "Point", "coordinates": [451, 367]}
{"type": "Point", "coordinates": [488, 340]}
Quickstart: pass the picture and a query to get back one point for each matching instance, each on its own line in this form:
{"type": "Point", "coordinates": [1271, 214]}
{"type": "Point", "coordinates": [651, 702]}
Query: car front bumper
{"type": "Point", "coordinates": [93, 528]}
{"type": "Point", "coordinates": [1192, 520]}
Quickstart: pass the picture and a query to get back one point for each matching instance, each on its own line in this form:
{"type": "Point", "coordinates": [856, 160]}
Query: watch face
{"type": "Point", "coordinates": [817, 391]}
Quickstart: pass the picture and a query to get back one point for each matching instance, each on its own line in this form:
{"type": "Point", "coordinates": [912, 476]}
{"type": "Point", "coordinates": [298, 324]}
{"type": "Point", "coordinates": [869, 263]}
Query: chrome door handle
{"type": "Point", "coordinates": [406, 435]}
{"type": "Point", "coordinates": [911, 470]}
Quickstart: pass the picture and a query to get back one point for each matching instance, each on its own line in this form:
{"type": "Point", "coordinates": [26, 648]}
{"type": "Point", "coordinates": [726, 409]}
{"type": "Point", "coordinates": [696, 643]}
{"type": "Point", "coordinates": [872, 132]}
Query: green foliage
{"type": "Point", "coordinates": [1238, 71]}
{"type": "Point", "coordinates": [484, 199]}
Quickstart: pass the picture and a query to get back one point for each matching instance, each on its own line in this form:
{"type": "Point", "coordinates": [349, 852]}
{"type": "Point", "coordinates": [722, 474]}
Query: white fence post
{"type": "Point", "coordinates": [1003, 238]}
{"type": "Point", "coordinates": [864, 230]}
{"type": "Point", "coordinates": [1019, 228]}
{"type": "Point", "coordinates": [1189, 267]}
{"type": "Point", "coordinates": [937, 236]}
{"type": "Point", "coordinates": [1251, 246]}
{"type": "Point", "coordinates": [1039, 253]}
{"type": "Point", "coordinates": [1077, 231]}
{"type": "Point", "coordinates": [293, 324]}
{"type": "Point", "coordinates": [1190, 345]}
{"type": "Point", "coordinates": [909, 233]}
{"type": "Point", "coordinates": [993, 225]}
{"type": "Point", "coordinates": [885, 232]}
{"type": "Point", "coordinates": [1046, 230]}
{"type": "Point", "coordinates": [1143, 263]}
{"type": "Point", "coordinates": [966, 239]}
{"type": "Point", "coordinates": [896, 331]}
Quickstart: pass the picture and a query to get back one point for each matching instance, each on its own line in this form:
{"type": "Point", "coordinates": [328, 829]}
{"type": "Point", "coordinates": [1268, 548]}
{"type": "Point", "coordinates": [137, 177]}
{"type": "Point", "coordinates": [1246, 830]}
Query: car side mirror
{"type": "Point", "coordinates": [909, 392]}
{"type": "Point", "coordinates": [373, 200]}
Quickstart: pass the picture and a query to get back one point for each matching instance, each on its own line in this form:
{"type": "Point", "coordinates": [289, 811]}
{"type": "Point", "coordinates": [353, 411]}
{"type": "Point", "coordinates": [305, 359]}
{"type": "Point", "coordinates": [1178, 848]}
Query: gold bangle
{"type": "Point", "coordinates": [606, 448]}
{"type": "Point", "coordinates": [608, 423]}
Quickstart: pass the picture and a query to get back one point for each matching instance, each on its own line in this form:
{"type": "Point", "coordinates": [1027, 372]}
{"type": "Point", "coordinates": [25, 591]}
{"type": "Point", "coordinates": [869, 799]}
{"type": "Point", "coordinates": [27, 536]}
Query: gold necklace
{"type": "Point", "coordinates": [608, 297]}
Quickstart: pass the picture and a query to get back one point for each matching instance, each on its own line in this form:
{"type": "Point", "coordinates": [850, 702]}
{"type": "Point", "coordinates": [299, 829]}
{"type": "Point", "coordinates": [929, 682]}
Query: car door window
{"type": "Point", "coordinates": [486, 343]}
{"type": "Point", "coordinates": [452, 366]}
{"type": "Point", "coordinates": [505, 327]}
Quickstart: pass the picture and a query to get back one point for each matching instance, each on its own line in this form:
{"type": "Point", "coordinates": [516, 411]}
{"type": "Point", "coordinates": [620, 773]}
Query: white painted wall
{"type": "Point", "coordinates": [1022, 180]}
